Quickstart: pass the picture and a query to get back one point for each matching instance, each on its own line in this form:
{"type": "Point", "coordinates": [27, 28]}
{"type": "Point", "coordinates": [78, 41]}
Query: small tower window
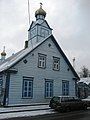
{"type": "Point", "coordinates": [33, 32]}
{"type": "Point", "coordinates": [44, 32]}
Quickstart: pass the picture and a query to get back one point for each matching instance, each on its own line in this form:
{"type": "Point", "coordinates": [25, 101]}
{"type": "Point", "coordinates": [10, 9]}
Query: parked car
{"type": "Point", "coordinates": [67, 103]}
{"type": "Point", "coordinates": [87, 100]}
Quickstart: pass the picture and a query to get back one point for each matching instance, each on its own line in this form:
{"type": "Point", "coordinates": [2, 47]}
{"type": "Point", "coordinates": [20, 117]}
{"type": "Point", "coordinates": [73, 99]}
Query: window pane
{"type": "Point", "coordinates": [25, 88]}
{"type": "Point", "coordinates": [30, 83]}
{"type": "Point", "coordinates": [29, 94]}
{"type": "Point", "coordinates": [25, 83]}
{"type": "Point", "coordinates": [29, 89]}
{"type": "Point", "coordinates": [25, 94]}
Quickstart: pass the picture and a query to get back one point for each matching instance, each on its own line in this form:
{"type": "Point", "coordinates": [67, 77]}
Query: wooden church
{"type": "Point", "coordinates": [39, 71]}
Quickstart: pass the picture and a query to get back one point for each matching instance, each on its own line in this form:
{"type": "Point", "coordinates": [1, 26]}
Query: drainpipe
{"type": "Point", "coordinates": [6, 94]}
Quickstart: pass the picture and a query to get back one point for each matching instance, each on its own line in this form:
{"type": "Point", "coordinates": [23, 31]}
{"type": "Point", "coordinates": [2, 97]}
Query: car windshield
{"type": "Point", "coordinates": [57, 99]}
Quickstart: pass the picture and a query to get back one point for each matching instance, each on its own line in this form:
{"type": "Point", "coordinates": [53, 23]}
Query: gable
{"type": "Point", "coordinates": [47, 46]}
{"type": "Point", "coordinates": [51, 49]}
{"type": "Point", "coordinates": [45, 24]}
{"type": "Point", "coordinates": [57, 51]}
{"type": "Point", "coordinates": [32, 25]}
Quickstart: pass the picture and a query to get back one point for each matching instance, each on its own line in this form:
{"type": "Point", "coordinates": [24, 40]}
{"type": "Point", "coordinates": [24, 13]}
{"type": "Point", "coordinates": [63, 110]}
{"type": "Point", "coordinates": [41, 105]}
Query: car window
{"type": "Point", "coordinates": [71, 99]}
{"type": "Point", "coordinates": [64, 99]}
{"type": "Point", "coordinates": [57, 99]}
{"type": "Point", "coordinates": [67, 99]}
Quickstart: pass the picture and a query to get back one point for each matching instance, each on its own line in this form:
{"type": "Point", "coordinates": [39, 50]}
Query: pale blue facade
{"type": "Point", "coordinates": [39, 72]}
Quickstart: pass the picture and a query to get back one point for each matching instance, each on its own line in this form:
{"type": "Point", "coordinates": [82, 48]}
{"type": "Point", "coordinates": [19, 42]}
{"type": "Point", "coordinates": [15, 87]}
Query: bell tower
{"type": "Point", "coordinates": [39, 29]}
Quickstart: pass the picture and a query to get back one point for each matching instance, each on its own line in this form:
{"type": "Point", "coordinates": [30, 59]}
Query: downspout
{"type": "Point", "coordinates": [6, 95]}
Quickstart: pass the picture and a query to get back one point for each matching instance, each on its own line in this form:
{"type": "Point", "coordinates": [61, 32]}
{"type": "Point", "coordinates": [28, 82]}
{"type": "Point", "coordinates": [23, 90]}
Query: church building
{"type": "Point", "coordinates": [39, 71]}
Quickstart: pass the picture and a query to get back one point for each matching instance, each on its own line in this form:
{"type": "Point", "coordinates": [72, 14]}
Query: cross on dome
{"type": "Point", "coordinates": [41, 5]}
{"type": "Point", "coordinates": [40, 11]}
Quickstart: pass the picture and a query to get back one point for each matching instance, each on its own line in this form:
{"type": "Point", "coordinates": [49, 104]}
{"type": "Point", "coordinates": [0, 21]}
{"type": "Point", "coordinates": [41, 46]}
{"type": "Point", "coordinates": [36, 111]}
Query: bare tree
{"type": "Point", "coordinates": [84, 72]}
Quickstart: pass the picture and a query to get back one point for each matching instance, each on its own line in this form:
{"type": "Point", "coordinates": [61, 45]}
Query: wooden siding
{"type": "Point", "coordinates": [30, 69]}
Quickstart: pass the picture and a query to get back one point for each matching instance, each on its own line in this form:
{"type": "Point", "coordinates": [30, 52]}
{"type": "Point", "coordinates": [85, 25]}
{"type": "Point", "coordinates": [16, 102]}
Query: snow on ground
{"type": "Point", "coordinates": [85, 80]}
{"type": "Point", "coordinates": [87, 99]}
{"type": "Point", "coordinates": [8, 109]}
{"type": "Point", "coordinates": [25, 114]}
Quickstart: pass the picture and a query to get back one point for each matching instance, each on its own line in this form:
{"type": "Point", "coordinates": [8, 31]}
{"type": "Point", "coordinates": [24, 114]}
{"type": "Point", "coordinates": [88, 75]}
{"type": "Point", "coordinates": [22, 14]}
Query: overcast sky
{"type": "Point", "coordinates": [70, 20]}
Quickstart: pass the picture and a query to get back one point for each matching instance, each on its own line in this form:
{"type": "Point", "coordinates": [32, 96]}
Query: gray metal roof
{"type": "Point", "coordinates": [18, 56]}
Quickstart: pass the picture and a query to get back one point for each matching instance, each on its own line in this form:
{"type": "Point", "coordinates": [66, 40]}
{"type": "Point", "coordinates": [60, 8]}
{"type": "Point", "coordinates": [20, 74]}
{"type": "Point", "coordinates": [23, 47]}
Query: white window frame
{"type": "Point", "coordinates": [56, 63]}
{"type": "Point", "coordinates": [41, 61]}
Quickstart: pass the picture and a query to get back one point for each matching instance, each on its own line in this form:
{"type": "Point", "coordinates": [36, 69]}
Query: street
{"type": "Point", "coordinates": [75, 115]}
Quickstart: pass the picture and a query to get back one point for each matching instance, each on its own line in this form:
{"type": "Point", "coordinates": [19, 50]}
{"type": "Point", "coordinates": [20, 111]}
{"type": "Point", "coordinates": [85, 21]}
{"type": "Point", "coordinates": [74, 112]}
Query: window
{"type": "Point", "coordinates": [56, 63]}
{"type": "Point", "coordinates": [44, 32]}
{"type": "Point", "coordinates": [41, 60]}
{"type": "Point", "coordinates": [48, 88]}
{"type": "Point", "coordinates": [65, 87]}
{"type": "Point", "coordinates": [27, 87]}
{"type": "Point", "coordinates": [0, 85]}
{"type": "Point", "coordinates": [33, 32]}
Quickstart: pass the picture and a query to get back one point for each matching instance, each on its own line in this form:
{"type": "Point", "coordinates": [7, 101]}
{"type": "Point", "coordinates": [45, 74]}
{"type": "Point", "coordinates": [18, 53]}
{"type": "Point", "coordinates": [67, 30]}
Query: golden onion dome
{"type": "Point", "coordinates": [40, 11]}
{"type": "Point", "coordinates": [3, 53]}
